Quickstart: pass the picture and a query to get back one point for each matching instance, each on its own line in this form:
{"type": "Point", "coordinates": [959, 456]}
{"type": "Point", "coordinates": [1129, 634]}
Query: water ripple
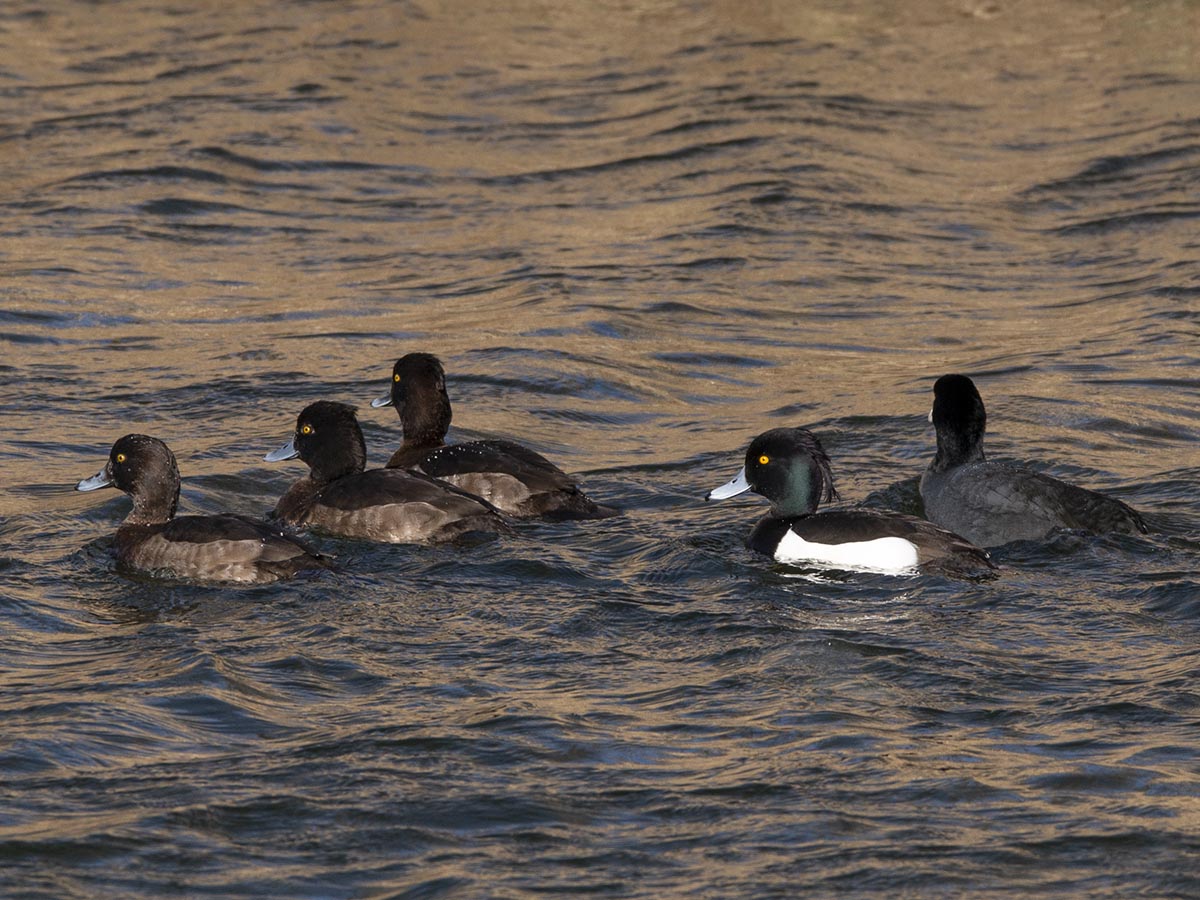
{"type": "Point", "coordinates": [635, 240]}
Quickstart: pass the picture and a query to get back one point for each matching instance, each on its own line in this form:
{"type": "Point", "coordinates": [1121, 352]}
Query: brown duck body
{"type": "Point", "coordinates": [386, 505]}
{"type": "Point", "coordinates": [507, 475]}
{"type": "Point", "coordinates": [215, 548]}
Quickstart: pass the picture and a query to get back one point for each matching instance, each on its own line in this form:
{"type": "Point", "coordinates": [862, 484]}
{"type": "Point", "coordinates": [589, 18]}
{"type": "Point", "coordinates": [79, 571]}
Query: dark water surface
{"type": "Point", "coordinates": [638, 234]}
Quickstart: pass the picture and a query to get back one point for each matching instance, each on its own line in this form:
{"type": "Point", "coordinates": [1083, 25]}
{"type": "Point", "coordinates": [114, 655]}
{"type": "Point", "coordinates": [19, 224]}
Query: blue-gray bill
{"type": "Point", "coordinates": [379, 402]}
{"type": "Point", "coordinates": [100, 480]}
{"type": "Point", "coordinates": [287, 451]}
{"type": "Point", "coordinates": [739, 485]}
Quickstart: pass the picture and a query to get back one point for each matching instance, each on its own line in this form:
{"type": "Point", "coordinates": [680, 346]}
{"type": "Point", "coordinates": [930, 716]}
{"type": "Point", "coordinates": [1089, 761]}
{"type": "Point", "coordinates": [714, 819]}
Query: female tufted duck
{"type": "Point", "coordinates": [514, 478]}
{"type": "Point", "coordinates": [202, 548]}
{"type": "Point", "coordinates": [389, 505]}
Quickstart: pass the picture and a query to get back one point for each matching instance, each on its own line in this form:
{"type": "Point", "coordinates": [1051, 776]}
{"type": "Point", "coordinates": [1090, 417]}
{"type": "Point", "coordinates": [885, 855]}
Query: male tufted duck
{"type": "Point", "coordinates": [789, 467]}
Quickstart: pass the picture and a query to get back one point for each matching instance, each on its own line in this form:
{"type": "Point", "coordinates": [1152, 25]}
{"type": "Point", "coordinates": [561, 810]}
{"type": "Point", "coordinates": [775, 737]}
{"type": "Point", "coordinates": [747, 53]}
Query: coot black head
{"type": "Point", "coordinates": [960, 420]}
{"type": "Point", "coordinates": [328, 438]}
{"type": "Point", "coordinates": [419, 394]}
{"type": "Point", "coordinates": [789, 467]}
{"type": "Point", "coordinates": [145, 468]}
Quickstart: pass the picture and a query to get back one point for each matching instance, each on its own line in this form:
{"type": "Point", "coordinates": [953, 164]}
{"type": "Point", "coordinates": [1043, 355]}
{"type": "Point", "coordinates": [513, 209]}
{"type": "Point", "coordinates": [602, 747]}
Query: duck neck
{"type": "Point", "coordinates": [292, 505]}
{"type": "Point", "coordinates": [410, 456]}
{"type": "Point", "coordinates": [347, 456]}
{"type": "Point", "coordinates": [154, 509]}
{"type": "Point", "coordinates": [798, 496]}
{"type": "Point", "coordinates": [957, 448]}
{"type": "Point", "coordinates": [425, 426]}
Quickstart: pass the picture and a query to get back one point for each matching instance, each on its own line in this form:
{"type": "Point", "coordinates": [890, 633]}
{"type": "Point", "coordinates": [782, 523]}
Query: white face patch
{"type": "Point", "coordinates": [892, 555]}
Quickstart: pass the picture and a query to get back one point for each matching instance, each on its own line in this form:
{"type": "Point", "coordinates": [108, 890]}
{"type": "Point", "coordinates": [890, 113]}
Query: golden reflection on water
{"type": "Point", "coordinates": [635, 232]}
{"type": "Point", "coordinates": [465, 114]}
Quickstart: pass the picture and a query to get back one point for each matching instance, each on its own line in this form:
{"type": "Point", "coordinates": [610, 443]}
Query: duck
{"type": "Point", "coordinates": [517, 480]}
{"type": "Point", "coordinates": [341, 496]}
{"type": "Point", "coordinates": [210, 548]}
{"type": "Point", "coordinates": [789, 467]}
{"type": "Point", "coordinates": [993, 503]}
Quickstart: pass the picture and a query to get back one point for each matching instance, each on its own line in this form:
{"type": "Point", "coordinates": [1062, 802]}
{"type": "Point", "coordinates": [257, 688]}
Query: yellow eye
{"type": "Point", "coordinates": [396, 378]}
{"type": "Point", "coordinates": [764, 459]}
{"type": "Point", "coordinates": [306, 429]}
{"type": "Point", "coordinates": [120, 457]}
